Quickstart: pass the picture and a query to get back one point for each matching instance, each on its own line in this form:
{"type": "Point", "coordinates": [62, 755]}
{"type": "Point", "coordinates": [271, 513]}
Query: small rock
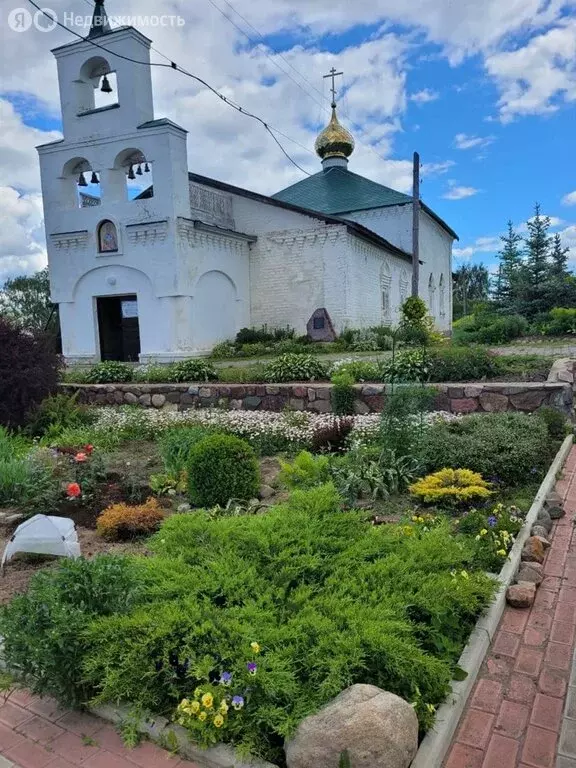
{"type": "Point", "coordinates": [379, 730]}
{"type": "Point", "coordinates": [130, 397]}
{"type": "Point", "coordinates": [539, 530]}
{"type": "Point", "coordinates": [531, 572]}
{"type": "Point", "coordinates": [553, 499]}
{"type": "Point", "coordinates": [521, 595]}
{"type": "Point", "coordinates": [184, 507]}
{"type": "Point", "coordinates": [556, 512]}
{"type": "Point", "coordinates": [544, 541]}
{"type": "Point", "coordinates": [158, 400]}
{"type": "Point", "coordinates": [544, 519]}
{"type": "Point", "coordinates": [533, 551]}
{"type": "Point", "coordinates": [266, 491]}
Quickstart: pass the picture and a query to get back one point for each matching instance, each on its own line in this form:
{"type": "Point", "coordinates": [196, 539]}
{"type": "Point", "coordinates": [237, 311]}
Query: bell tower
{"type": "Point", "coordinates": [86, 67]}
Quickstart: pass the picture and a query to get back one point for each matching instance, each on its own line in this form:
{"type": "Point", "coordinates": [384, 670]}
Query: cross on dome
{"type": "Point", "coordinates": [334, 144]}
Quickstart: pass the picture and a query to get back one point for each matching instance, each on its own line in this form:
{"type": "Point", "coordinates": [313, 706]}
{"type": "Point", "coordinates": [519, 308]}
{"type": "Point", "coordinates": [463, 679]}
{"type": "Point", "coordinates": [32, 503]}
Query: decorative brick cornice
{"type": "Point", "coordinates": [68, 241]}
{"type": "Point", "coordinates": [147, 233]}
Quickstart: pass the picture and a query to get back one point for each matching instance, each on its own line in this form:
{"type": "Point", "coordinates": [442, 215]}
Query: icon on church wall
{"type": "Point", "coordinates": [107, 237]}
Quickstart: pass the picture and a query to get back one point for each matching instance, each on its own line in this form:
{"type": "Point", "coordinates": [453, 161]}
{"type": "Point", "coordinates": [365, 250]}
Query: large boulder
{"type": "Point", "coordinates": [379, 730]}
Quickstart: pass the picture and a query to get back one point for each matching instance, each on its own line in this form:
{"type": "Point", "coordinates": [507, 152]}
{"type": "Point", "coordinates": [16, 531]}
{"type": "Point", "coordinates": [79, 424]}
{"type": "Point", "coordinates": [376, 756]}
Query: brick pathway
{"type": "Point", "coordinates": [522, 712]}
{"type": "Point", "coordinates": [37, 733]}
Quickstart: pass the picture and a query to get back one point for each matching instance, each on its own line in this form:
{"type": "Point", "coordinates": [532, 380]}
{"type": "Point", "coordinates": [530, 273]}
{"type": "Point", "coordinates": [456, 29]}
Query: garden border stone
{"type": "Point", "coordinates": [435, 745]}
{"type": "Point", "coordinates": [475, 397]}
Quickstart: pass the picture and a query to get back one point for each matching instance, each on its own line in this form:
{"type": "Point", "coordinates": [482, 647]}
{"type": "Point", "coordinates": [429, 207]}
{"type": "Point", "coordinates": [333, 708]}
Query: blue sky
{"type": "Point", "coordinates": [486, 92]}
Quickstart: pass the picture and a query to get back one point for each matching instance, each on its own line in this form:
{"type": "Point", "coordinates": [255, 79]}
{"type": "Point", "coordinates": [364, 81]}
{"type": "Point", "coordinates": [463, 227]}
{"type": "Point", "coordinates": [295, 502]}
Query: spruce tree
{"type": "Point", "coordinates": [559, 259]}
{"type": "Point", "coordinates": [538, 247]}
{"type": "Point", "coordinates": [510, 270]}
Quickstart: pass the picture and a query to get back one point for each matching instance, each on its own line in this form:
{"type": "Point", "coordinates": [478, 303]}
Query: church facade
{"type": "Point", "coordinates": [163, 271]}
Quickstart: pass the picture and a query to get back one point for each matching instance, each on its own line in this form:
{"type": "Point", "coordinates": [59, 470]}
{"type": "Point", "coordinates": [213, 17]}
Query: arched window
{"type": "Point", "coordinates": [385, 289]}
{"type": "Point", "coordinates": [80, 184]}
{"type": "Point", "coordinates": [107, 237]}
{"type": "Point", "coordinates": [403, 286]}
{"type": "Point", "coordinates": [137, 173]}
{"type": "Point", "coordinates": [432, 295]}
{"type": "Point", "coordinates": [442, 296]}
{"type": "Point", "coordinates": [96, 85]}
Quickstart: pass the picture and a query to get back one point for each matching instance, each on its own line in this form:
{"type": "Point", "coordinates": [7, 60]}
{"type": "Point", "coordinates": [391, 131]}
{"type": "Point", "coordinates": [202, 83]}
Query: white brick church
{"type": "Point", "coordinates": [166, 271]}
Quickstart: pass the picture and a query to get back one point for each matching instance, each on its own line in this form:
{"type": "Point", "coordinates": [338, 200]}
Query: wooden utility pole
{"type": "Point", "coordinates": [416, 224]}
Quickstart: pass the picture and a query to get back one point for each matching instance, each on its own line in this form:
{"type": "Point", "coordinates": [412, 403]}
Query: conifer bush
{"type": "Point", "coordinates": [126, 521]}
{"type": "Point", "coordinates": [220, 468]}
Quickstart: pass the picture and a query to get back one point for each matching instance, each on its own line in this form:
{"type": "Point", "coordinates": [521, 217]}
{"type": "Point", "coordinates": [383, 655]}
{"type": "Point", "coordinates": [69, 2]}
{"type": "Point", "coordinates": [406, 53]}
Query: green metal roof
{"type": "Point", "coordinates": [338, 190]}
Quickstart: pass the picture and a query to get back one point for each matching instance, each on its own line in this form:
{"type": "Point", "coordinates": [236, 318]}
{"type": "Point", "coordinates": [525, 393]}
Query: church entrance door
{"type": "Point", "coordinates": [118, 327]}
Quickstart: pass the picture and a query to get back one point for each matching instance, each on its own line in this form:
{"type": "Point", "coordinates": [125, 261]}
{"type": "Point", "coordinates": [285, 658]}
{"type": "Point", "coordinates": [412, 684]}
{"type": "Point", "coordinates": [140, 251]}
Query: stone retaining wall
{"type": "Point", "coordinates": [456, 398]}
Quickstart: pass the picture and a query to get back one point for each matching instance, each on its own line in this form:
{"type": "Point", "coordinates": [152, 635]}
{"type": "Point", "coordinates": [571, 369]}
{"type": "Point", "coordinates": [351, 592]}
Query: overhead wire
{"type": "Point", "coordinates": [173, 65]}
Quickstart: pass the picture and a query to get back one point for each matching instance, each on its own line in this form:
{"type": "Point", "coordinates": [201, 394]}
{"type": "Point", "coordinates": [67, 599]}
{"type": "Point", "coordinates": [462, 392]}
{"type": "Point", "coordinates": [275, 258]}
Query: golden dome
{"type": "Point", "coordinates": [335, 140]}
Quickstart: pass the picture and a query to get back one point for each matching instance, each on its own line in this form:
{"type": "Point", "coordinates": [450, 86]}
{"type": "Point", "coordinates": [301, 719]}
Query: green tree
{"type": "Point", "coordinates": [510, 270]}
{"type": "Point", "coordinates": [470, 284]}
{"type": "Point", "coordinates": [559, 258]}
{"type": "Point", "coordinates": [538, 247]}
{"type": "Point", "coordinates": [25, 300]}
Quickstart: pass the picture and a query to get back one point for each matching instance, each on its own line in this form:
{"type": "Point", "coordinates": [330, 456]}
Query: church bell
{"type": "Point", "coordinates": [94, 179]}
{"type": "Point", "coordinates": [131, 173]}
{"type": "Point", "coordinates": [82, 181]}
{"type": "Point", "coordinates": [105, 87]}
{"type": "Point", "coordinates": [139, 171]}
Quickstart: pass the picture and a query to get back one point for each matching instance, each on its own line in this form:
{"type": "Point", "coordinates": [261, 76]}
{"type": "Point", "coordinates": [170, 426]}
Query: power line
{"type": "Point", "coordinates": [178, 68]}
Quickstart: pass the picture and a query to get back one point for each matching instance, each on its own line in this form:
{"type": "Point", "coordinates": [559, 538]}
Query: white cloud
{"type": "Point", "coordinates": [480, 245]}
{"type": "Point", "coordinates": [21, 233]}
{"type": "Point", "coordinates": [569, 199]}
{"type": "Point", "coordinates": [538, 77]}
{"type": "Point", "coordinates": [568, 238]}
{"type": "Point", "coordinates": [457, 192]}
{"type": "Point", "coordinates": [463, 141]}
{"type": "Point", "coordinates": [424, 96]}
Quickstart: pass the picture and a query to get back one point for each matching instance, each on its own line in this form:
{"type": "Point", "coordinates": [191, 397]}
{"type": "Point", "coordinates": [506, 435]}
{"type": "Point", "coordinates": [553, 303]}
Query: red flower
{"type": "Point", "coordinates": [73, 490]}
{"type": "Point", "coordinates": [80, 457]}
{"type": "Point", "coordinates": [88, 449]}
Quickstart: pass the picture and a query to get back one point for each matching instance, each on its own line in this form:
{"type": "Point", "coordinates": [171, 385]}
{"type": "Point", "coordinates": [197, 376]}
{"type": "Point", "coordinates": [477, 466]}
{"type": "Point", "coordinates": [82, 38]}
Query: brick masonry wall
{"type": "Point", "coordinates": [455, 398]}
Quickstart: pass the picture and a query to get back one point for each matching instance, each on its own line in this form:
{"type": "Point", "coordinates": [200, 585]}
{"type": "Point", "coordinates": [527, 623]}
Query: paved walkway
{"type": "Point", "coordinates": [37, 733]}
{"type": "Point", "coordinates": [522, 712]}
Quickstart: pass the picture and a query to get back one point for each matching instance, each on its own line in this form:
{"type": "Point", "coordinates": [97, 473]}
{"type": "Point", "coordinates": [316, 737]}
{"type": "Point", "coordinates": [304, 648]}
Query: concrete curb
{"type": "Point", "coordinates": [435, 744]}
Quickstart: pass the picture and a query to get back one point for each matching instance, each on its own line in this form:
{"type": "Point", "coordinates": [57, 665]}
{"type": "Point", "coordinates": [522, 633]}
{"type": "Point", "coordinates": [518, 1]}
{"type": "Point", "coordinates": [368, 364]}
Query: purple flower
{"type": "Point", "coordinates": [251, 667]}
{"type": "Point", "coordinates": [237, 702]}
{"type": "Point", "coordinates": [492, 521]}
{"type": "Point", "coordinates": [226, 678]}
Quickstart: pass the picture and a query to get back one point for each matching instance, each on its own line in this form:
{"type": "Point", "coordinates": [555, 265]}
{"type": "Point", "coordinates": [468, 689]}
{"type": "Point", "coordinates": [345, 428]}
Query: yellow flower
{"type": "Point", "coordinates": [255, 647]}
{"type": "Point", "coordinates": [477, 537]}
{"type": "Point", "coordinates": [218, 721]}
{"type": "Point", "coordinates": [198, 693]}
{"type": "Point", "coordinates": [501, 552]}
{"type": "Point", "coordinates": [184, 703]}
{"type": "Point", "coordinates": [223, 707]}
{"type": "Point", "coordinates": [194, 707]}
{"type": "Point", "coordinates": [414, 518]}
{"type": "Point", "coordinates": [464, 574]}
{"type": "Point", "coordinates": [202, 716]}
{"type": "Point", "coordinates": [483, 532]}
{"type": "Point", "coordinates": [408, 530]}
{"type": "Point", "coordinates": [207, 700]}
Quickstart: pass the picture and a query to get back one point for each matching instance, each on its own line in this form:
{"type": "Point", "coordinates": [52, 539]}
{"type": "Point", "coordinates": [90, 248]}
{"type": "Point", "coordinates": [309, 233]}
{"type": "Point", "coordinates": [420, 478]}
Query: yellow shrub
{"type": "Point", "coordinates": [452, 486]}
{"type": "Point", "coordinates": [122, 521]}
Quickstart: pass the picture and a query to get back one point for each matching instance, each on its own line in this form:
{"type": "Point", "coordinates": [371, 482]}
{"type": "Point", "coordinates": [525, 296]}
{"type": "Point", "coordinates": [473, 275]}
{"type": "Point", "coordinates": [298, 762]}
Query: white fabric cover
{"type": "Point", "coordinates": [44, 535]}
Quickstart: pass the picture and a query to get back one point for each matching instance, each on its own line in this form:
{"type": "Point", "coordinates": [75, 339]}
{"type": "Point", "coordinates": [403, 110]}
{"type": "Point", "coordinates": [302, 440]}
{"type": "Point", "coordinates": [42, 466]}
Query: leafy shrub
{"type": "Point", "coordinates": [406, 366]}
{"type": "Point", "coordinates": [294, 367]}
{"type": "Point", "coordinates": [192, 370]}
{"type": "Point", "coordinates": [109, 372]}
{"type": "Point", "coordinates": [306, 471]}
{"type": "Point", "coordinates": [554, 420]}
{"type": "Point", "coordinates": [123, 521]}
{"type": "Point", "coordinates": [56, 413]}
{"type": "Point", "coordinates": [493, 530]}
{"type": "Point", "coordinates": [43, 628]}
{"type": "Point", "coordinates": [507, 447]}
{"type": "Point", "coordinates": [402, 420]}
{"type": "Point", "coordinates": [562, 322]}
{"type": "Point", "coordinates": [365, 340]}
{"type": "Point", "coordinates": [176, 443]}
{"type": "Point", "coordinates": [153, 374]}
{"type": "Point", "coordinates": [223, 350]}
{"type": "Point", "coordinates": [253, 350]}
{"type": "Point", "coordinates": [27, 478]}
{"type": "Point", "coordinates": [488, 328]}
{"type": "Point", "coordinates": [372, 473]}
{"type": "Point", "coordinates": [29, 370]}
{"type": "Point", "coordinates": [462, 364]}
{"type": "Point", "coordinates": [452, 487]}
{"type": "Point", "coordinates": [378, 337]}
{"type": "Point", "coordinates": [416, 325]}
{"type": "Point", "coordinates": [343, 394]}
{"type": "Point", "coordinates": [263, 335]}
{"type": "Point", "coordinates": [360, 370]}
{"type": "Point", "coordinates": [220, 468]}
{"type": "Point", "coordinates": [332, 438]}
